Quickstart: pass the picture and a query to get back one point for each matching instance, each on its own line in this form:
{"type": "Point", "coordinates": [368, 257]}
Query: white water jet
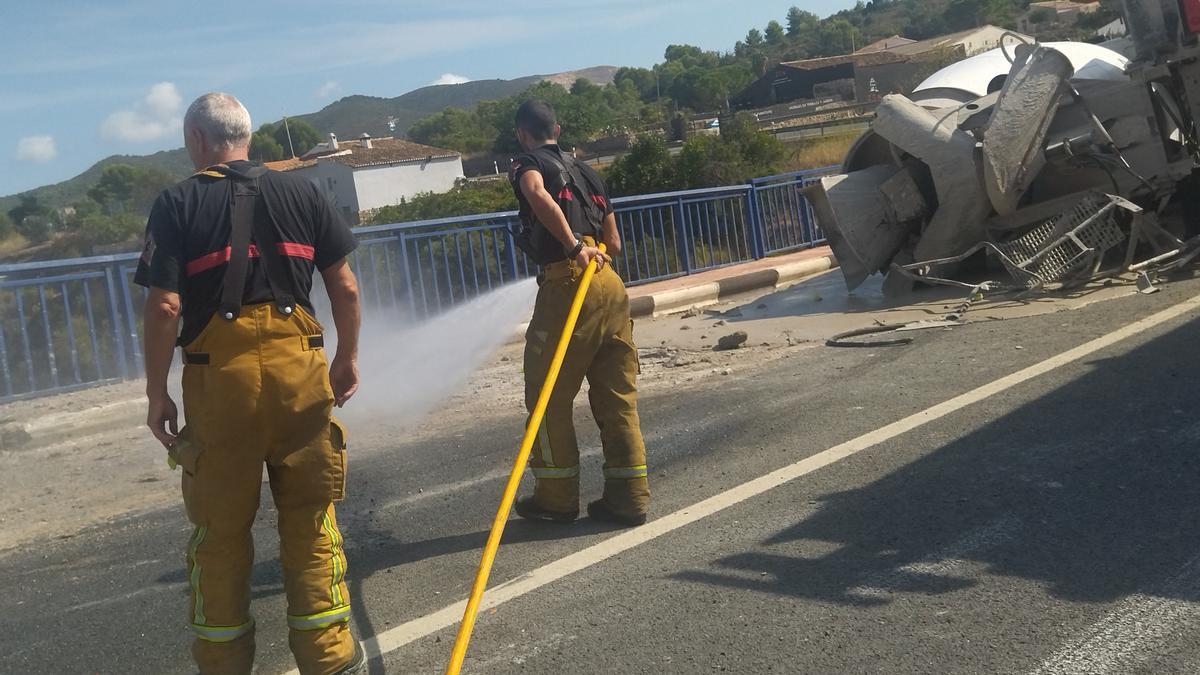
{"type": "Point", "coordinates": [407, 370]}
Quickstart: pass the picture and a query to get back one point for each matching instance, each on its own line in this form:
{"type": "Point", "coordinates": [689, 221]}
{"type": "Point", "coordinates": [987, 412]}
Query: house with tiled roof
{"type": "Point", "coordinates": [366, 174]}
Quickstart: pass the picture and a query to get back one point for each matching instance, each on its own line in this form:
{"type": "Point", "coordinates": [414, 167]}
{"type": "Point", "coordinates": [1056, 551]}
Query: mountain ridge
{"type": "Point", "coordinates": [347, 117]}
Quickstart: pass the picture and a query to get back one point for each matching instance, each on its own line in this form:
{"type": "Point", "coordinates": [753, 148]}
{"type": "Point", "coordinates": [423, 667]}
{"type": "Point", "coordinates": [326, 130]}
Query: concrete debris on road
{"type": "Point", "coordinates": [732, 341]}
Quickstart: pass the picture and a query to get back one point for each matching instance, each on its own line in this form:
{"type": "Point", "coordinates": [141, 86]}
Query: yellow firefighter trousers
{"type": "Point", "coordinates": [256, 390]}
{"type": "Point", "coordinates": [602, 351]}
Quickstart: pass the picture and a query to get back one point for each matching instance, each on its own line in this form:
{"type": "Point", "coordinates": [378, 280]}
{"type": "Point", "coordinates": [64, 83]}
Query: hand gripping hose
{"type": "Point", "coordinates": [514, 479]}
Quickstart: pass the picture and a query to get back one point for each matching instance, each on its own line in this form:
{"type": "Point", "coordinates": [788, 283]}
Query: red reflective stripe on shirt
{"type": "Point", "coordinates": [600, 201]}
{"type": "Point", "coordinates": [565, 193]}
{"type": "Point", "coordinates": [297, 250]}
{"type": "Point", "coordinates": [207, 262]}
{"type": "Point", "coordinates": [217, 258]}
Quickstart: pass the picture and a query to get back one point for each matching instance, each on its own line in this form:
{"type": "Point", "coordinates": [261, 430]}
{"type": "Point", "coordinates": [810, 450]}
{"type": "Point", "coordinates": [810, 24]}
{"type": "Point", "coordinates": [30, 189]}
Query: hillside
{"type": "Point", "coordinates": [174, 162]}
{"type": "Point", "coordinates": [354, 115]}
{"type": "Point", "coordinates": [347, 117]}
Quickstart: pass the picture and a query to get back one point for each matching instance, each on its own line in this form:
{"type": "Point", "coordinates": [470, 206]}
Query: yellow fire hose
{"type": "Point", "coordinates": [514, 479]}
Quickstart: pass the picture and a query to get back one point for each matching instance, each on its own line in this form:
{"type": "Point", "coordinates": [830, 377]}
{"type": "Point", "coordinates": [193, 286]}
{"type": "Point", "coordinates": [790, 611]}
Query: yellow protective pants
{"type": "Point", "coordinates": [602, 351]}
{"type": "Point", "coordinates": [256, 390]}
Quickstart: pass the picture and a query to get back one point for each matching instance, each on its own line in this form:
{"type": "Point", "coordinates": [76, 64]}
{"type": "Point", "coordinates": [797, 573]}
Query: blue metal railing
{"type": "Point", "coordinates": [67, 324]}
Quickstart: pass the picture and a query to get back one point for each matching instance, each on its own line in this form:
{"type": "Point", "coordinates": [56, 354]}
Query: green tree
{"type": "Point", "coordinates": [6, 227]}
{"type": "Point", "coordinates": [1041, 16]}
{"type": "Point", "coordinates": [123, 187]}
{"type": "Point", "coordinates": [643, 81]}
{"type": "Point", "coordinates": [303, 136]}
{"type": "Point", "coordinates": [754, 38]}
{"type": "Point", "coordinates": [800, 21]}
{"type": "Point", "coordinates": [648, 167]}
{"type": "Point", "coordinates": [837, 36]}
{"type": "Point", "coordinates": [455, 129]}
{"type": "Point", "coordinates": [264, 147]}
{"type": "Point", "coordinates": [36, 229]}
{"type": "Point", "coordinates": [774, 34]}
{"type": "Point", "coordinates": [29, 206]}
{"type": "Point", "coordinates": [466, 199]}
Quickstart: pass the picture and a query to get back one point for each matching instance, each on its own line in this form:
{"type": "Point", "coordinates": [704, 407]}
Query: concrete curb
{"type": "Point", "coordinates": [702, 295]}
{"type": "Point", "coordinates": [57, 427]}
{"type": "Point", "coordinates": [710, 293]}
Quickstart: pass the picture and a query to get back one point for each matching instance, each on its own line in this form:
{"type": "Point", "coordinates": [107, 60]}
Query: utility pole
{"type": "Point", "coordinates": [289, 135]}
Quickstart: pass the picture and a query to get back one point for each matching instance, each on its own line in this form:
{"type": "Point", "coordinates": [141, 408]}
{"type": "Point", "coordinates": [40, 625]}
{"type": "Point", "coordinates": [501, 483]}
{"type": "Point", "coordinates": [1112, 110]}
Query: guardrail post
{"type": "Point", "coordinates": [114, 313]}
{"type": "Point", "coordinates": [682, 240]}
{"type": "Point", "coordinates": [512, 253]}
{"type": "Point", "coordinates": [806, 224]}
{"type": "Point", "coordinates": [135, 343]}
{"type": "Point", "coordinates": [406, 274]}
{"type": "Point", "coordinates": [756, 224]}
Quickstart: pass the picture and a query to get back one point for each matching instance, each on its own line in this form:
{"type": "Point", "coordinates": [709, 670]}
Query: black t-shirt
{"type": "Point", "coordinates": [188, 240]}
{"type": "Point", "coordinates": [550, 161]}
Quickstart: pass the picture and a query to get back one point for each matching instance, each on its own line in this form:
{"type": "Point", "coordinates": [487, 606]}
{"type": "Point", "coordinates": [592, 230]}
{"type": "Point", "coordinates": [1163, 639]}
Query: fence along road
{"type": "Point", "coordinates": [71, 324]}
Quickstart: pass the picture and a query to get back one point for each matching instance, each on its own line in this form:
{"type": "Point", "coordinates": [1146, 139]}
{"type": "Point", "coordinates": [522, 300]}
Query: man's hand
{"type": "Point", "coordinates": [343, 378]}
{"type": "Point", "coordinates": [589, 253]}
{"type": "Point", "coordinates": [163, 419]}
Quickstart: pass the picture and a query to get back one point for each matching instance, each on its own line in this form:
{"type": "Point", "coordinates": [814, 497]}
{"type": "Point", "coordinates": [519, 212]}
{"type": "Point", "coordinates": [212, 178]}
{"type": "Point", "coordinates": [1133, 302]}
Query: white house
{"type": "Point", "coordinates": [367, 173]}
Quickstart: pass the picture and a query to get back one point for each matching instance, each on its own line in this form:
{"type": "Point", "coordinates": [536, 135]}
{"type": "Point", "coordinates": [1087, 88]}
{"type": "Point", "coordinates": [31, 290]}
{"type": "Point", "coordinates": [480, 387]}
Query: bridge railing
{"type": "Point", "coordinates": [67, 324]}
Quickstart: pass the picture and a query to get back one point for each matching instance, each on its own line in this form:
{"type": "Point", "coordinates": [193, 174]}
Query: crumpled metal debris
{"type": "Point", "coordinates": [1050, 176]}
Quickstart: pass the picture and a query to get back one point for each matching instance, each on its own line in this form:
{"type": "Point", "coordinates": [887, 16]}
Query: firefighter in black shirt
{"type": "Point", "coordinates": [565, 212]}
{"type": "Point", "coordinates": [232, 251]}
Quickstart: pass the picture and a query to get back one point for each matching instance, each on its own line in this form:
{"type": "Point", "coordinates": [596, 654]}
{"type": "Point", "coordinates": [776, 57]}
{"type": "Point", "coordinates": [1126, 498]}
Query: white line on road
{"type": "Point", "coordinates": [1134, 632]}
{"type": "Point", "coordinates": [395, 638]}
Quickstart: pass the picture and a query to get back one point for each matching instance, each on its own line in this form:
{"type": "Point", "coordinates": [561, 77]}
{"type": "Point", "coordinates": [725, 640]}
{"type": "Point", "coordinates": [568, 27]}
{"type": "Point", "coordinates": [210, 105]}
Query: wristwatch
{"type": "Point", "coordinates": [574, 253]}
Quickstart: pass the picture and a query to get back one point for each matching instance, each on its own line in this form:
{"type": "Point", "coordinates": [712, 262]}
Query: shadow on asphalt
{"type": "Point", "coordinates": [1090, 490]}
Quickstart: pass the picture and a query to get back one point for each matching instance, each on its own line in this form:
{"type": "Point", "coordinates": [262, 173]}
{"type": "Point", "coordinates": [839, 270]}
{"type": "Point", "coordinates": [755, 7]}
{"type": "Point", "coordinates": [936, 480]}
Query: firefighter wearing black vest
{"type": "Point", "coordinates": [565, 213]}
{"type": "Point", "coordinates": [233, 250]}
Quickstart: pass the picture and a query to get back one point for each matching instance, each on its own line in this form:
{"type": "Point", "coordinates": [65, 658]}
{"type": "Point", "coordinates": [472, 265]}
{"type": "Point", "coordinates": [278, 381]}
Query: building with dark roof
{"type": "Point", "coordinates": [892, 65]}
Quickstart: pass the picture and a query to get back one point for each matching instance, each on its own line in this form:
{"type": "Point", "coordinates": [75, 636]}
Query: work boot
{"type": "Point", "coordinates": [528, 509]}
{"type": "Point", "coordinates": [357, 664]}
{"type": "Point", "coordinates": [601, 511]}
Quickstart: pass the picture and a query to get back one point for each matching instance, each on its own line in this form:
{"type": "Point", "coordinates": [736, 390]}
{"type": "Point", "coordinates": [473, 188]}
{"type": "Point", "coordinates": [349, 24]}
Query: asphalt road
{"type": "Point", "coordinates": [1048, 525]}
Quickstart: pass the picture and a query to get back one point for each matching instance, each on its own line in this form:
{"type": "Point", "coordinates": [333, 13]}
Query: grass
{"type": "Point", "coordinates": [820, 152]}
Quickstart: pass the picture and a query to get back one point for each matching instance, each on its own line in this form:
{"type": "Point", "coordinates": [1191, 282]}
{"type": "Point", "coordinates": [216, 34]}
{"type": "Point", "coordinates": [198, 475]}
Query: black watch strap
{"type": "Point", "coordinates": [574, 253]}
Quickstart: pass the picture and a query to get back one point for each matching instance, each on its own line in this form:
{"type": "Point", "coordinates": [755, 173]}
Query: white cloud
{"type": "Point", "coordinates": [158, 115]}
{"type": "Point", "coordinates": [39, 149]}
{"type": "Point", "coordinates": [327, 89]}
{"type": "Point", "coordinates": [450, 78]}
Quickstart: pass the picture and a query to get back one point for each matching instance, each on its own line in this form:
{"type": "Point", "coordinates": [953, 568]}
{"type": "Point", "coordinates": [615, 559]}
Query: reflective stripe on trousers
{"type": "Point", "coordinates": [222, 633]}
{"type": "Point", "coordinates": [625, 472]}
{"type": "Point", "coordinates": [320, 619]}
{"type": "Point", "coordinates": [552, 472]}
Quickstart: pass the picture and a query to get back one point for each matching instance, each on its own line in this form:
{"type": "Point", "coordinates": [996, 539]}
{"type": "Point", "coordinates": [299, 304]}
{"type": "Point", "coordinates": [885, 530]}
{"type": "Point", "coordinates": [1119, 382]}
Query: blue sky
{"type": "Point", "coordinates": [84, 80]}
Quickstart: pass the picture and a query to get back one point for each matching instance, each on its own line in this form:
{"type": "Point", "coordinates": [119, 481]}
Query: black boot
{"type": "Point", "coordinates": [601, 511]}
{"type": "Point", "coordinates": [528, 509]}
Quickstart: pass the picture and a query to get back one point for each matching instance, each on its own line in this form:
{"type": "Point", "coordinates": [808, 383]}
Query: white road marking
{"type": "Point", "coordinates": [949, 560]}
{"type": "Point", "coordinates": [399, 636]}
{"type": "Point", "coordinates": [1134, 632]}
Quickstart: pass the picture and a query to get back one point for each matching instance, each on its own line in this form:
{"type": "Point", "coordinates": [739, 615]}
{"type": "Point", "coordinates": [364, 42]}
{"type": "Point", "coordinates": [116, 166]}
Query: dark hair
{"type": "Point", "coordinates": [537, 119]}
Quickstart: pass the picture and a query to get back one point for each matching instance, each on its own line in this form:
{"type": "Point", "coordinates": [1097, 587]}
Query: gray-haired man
{"type": "Point", "coordinates": [231, 251]}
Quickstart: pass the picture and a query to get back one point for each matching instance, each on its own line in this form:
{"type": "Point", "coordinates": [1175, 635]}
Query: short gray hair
{"type": "Point", "coordinates": [222, 119]}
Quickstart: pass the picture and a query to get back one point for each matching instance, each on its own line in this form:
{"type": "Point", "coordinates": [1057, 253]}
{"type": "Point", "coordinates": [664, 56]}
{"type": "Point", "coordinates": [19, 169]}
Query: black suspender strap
{"type": "Point", "coordinates": [234, 285]}
{"type": "Point", "coordinates": [248, 222]}
{"type": "Point", "coordinates": [277, 273]}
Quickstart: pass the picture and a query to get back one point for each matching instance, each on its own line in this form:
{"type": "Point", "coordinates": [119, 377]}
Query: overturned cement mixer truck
{"type": "Point", "coordinates": [1057, 163]}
